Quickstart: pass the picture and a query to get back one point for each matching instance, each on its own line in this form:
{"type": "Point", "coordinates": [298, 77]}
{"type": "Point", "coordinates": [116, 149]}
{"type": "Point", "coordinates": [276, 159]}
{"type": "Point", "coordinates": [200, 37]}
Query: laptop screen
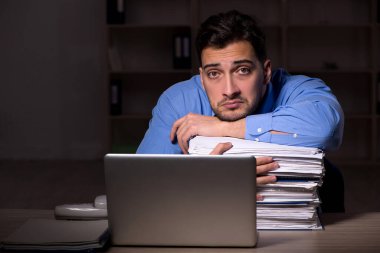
{"type": "Point", "coordinates": [181, 200]}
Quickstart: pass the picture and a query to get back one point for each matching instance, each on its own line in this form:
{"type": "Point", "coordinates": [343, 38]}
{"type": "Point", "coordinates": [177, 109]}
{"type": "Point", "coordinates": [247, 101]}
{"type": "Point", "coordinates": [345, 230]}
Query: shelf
{"type": "Point", "coordinates": [356, 141]}
{"type": "Point", "coordinates": [124, 27]}
{"type": "Point", "coordinates": [274, 41]}
{"type": "Point", "coordinates": [151, 71]}
{"type": "Point", "coordinates": [322, 48]}
{"type": "Point", "coordinates": [140, 92]}
{"type": "Point", "coordinates": [128, 132]}
{"type": "Point", "coordinates": [378, 140]}
{"type": "Point", "coordinates": [329, 26]}
{"type": "Point", "coordinates": [149, 12]}
{"type": "Point", "coordinates": [377, 48]}
{"type": "Point", "coordinates": [317, 71]}
{"type": "Point", "coordinates": [344, 162]}
{"type": "Point", "coordinates": [326, 12]}
{"type": "Point", "coordinates": [138, 54]}
{"type": "Point", "coordinates": [130, 116]}
{"type": "Point", "coordinates": [266, 12]}
{"type": "Point", "coordinates": [358, 116]}
{"type": "Point", "coordinates": [124, 148]}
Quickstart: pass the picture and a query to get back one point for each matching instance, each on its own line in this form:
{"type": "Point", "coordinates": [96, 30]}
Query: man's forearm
{"type": "Point", "coordinates": [234, 128]}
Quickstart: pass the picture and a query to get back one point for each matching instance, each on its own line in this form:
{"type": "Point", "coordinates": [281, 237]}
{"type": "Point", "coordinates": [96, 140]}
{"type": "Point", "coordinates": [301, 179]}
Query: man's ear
{"type": "Point", "coordinates": [267, 71]}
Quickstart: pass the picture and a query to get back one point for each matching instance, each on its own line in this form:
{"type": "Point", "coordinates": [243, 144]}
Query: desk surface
{"type": "Point", "coordinates": [343, 233]}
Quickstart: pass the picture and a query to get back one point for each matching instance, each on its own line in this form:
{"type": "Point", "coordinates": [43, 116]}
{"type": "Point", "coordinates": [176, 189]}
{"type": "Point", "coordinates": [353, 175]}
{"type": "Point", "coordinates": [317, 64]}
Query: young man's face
{"type": "Point", "coordinates": [234, 79]}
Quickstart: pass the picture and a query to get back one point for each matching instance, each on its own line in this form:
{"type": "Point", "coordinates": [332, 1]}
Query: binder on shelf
{"type": "Point", "coordinates": [115, 12]}
{"type": "Point", "coordinates": [181, 51]}
{"type": "Point", "coordinates": [115, 97]}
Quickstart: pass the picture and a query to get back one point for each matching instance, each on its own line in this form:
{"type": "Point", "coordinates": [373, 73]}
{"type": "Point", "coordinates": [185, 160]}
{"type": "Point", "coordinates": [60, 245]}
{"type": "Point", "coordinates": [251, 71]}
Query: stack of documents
{"type": "Point", "coordinates": [290, 203]}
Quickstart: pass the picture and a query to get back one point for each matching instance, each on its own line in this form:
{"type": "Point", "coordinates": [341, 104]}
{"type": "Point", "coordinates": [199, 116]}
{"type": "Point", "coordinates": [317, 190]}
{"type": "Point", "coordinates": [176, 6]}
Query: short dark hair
{"type": "Point", "coordinates": [224, 28]}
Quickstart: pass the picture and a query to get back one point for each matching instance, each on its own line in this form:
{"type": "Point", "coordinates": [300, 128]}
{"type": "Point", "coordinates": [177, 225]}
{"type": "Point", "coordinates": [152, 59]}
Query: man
{"type": "Point", "coordinates": [237, 95]}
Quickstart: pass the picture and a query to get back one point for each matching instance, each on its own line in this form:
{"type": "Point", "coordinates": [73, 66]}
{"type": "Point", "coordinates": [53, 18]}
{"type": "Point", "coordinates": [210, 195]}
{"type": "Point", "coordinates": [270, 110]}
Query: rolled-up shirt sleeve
{"type": "Point", "coordinates": [306, 113]}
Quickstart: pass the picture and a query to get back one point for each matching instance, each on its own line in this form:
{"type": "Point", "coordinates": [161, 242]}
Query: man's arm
{"type": "Point", "coordinates": [309, 115]}
{"type": "Point", "coordinates": [305, 116]}
{"type": "Point", "coordinates": [194, 124]}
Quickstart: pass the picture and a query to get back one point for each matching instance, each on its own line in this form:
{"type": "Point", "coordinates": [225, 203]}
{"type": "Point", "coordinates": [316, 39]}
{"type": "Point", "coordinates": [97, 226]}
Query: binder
{"type": "Point", "coordinates": [182, 51]}
{"type": "Point", "coordinates": [115, 11]}
{"type": "Point", "coordinates": [115, 97]}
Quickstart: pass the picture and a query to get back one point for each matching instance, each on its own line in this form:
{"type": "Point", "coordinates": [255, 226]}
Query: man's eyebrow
{"type": "Point", "coordinates": [234, 63]}
{"type": "Point", "coordinates": [243, 61]}
{"type": "Point", "coordinates": [211, 65]}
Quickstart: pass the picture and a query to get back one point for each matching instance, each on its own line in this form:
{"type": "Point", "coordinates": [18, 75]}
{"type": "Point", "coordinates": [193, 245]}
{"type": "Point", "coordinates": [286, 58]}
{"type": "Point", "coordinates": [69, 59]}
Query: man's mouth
{"type": "Point", "coordinates": [232, 104]}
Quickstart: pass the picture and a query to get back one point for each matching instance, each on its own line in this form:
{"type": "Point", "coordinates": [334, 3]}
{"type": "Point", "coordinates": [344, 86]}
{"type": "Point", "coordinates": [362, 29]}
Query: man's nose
{"type": "Point", "coordinates": [231, 89]}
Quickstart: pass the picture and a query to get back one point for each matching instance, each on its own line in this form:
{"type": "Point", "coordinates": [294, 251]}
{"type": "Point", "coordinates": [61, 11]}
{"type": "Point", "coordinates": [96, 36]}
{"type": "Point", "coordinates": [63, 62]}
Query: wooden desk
{"type": "Point", "coordinates": [343, 233]}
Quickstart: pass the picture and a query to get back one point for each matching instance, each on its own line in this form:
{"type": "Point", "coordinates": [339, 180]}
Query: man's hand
{"type": "Point", "coordinates": [263, 166]}
{"type": "Point", "coordinates": [221, 148]}
{"type": "Point", "coordinates": [194, 124]}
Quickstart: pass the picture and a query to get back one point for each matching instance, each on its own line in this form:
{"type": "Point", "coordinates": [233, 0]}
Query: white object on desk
{"type": "Point", "coordinates": [86, 211]}
{"type": "Point", "coordinates": [101, 202]}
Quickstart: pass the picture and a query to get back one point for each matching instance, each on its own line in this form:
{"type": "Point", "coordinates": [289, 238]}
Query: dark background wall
{"type": "Point", "coordinates": [52, 79]}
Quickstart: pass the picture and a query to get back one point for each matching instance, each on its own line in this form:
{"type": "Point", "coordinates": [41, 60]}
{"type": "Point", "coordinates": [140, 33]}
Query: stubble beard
{"type": "Point", "coordinates": [234, 114]}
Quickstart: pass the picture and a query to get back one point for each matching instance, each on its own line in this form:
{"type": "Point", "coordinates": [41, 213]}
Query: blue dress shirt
{"type": "Point", "coordinates": [301, 106]}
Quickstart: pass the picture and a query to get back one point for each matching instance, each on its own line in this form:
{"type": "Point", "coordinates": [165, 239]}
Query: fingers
{"type": "Point", "coordinates": [265, 164]}
{"type": "Point", "coordinates": [221, 148]}
{"type": "Point", "coordinates": [260, 180]}
{"type": "Point", "coordinates": [183, 143]}
{"type": "Point", "coordinates": [175, 127]}
{"type": "Point", "coordinates": [183, 137]}
{"type": "Point", "coordinates": [184, 131]}
{"type": "Point", "coordinates": [176, 132]}
{"type": "Point", "coordinates": [263, 160]}
{"type": "Point", "coordinates": [264, 180]}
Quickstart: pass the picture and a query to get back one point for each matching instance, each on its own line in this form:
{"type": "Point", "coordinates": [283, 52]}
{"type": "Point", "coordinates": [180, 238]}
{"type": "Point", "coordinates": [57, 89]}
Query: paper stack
{"type": "Point", "coordinates": [290, 203]}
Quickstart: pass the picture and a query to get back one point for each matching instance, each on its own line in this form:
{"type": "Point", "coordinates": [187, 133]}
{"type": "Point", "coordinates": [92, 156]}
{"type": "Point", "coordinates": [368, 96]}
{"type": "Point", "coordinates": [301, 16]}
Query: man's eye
{"type": "Point", "coordinates": [212, 74]}
{"type": "Point", "coordinates": [244, 71]}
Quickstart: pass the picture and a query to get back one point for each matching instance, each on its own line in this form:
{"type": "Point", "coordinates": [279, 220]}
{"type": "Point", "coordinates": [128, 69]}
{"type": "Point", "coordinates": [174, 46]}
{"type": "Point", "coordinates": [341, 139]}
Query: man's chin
{"type": "Point", "coordinates": [231, 116]}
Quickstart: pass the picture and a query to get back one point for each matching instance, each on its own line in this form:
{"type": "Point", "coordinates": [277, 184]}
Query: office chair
{"type": "Point", "coordinates": [331, 192]}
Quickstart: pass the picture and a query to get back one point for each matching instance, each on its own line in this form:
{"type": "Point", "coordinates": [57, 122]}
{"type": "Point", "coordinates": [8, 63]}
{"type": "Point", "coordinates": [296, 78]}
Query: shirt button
{"type": "Point", "coordinates": [295, 135]}
{"type": "Point", "coordinates": [259, 130]}
{"type": "Point", "coordinates": [256, 139]}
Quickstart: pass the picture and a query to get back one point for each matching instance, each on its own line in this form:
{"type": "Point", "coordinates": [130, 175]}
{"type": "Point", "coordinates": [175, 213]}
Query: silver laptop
{"type": "Point", "coordinates": [181, 200]}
